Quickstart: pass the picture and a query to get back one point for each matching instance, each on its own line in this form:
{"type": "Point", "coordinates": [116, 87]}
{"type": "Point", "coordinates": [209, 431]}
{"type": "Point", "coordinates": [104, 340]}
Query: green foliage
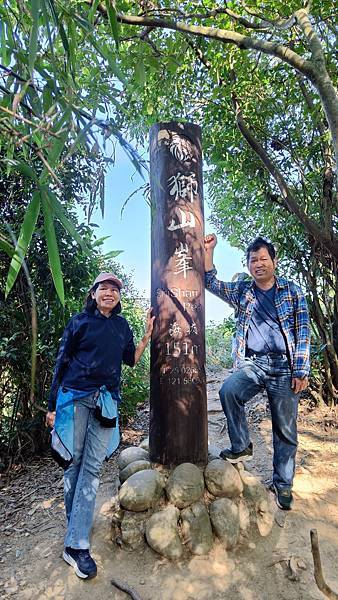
{"type": "Point", "coordinates": [22, 430]}
{"type": "Point", "coordinates": [290, 194]}
{"type": "Point", "coordinates": [218, 341]}
{"type": "Point", "coordinates": [52, 100]}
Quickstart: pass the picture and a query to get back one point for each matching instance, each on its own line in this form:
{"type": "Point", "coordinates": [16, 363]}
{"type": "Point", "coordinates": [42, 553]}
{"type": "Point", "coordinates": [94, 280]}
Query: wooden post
{"type": "Point", "coordinates": [178, 406]}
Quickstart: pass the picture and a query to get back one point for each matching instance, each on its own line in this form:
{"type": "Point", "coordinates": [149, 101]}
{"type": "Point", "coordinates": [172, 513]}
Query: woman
{"type": "Point", "coordinates": [85, 392]}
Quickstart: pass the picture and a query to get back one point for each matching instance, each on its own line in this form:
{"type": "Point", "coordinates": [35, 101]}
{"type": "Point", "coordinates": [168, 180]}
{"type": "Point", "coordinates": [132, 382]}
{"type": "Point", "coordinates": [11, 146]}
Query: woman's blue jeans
{"type": "Point", "coordinates": [81, 478]}
{"type": "Point", "coordinates": [270, 372]}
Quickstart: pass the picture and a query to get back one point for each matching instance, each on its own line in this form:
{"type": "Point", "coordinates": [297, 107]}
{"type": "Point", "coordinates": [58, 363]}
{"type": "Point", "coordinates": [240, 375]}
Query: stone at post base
{"type": "Point", "coordinates": [134, 467]}
{"type": "Point", "coordinates": [238, 511]}
{"type": "Point", "coordinates": [196, 529]}
{"type": "Point", "coordinates": [222, 479]}
{"type": "Point", "coordinates": [161, 532]}
{"type": "Point", "coordinates": [185, 485]}
{"type": "Point", "coordinates": [141, 490]}
{"type": "Point", "coordinates": [224, 516]}
{"type": "Point", "coordinates": [133, 526]}
{"type": "Point", "coordinates": [131, 454]}
{"type": "Point", "coordinates": [258, 497]}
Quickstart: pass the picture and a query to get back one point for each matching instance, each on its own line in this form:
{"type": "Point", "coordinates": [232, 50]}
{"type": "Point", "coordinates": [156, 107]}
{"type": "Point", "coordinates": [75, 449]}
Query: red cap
{"type": "Point", "coordinates": [108, 277]}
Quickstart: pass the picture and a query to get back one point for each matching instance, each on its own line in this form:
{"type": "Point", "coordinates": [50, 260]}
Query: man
{"type": "Point", "coordinates": [272, 352]}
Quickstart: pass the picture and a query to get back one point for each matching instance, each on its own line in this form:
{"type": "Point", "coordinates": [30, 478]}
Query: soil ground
{"type": "Point", "coordinates": [277, 567]}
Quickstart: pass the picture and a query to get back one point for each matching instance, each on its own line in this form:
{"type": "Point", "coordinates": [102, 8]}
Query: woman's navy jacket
{"type": "Point", "coordinates": [91, 353]}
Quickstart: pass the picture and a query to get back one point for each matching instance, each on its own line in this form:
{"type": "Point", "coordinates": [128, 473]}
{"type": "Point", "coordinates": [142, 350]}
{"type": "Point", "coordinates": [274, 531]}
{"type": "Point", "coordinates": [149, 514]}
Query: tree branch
{"type": "Point", "coordinates": [224, 36]}
{"type": "Point", "coordinates": [264, 23]}
{"type": "Point", "coordinates": [331, 244]}
{"type": "Point", "coordinates": [311, 37]}
{"type": "Point", "coordinates": [321, 583]}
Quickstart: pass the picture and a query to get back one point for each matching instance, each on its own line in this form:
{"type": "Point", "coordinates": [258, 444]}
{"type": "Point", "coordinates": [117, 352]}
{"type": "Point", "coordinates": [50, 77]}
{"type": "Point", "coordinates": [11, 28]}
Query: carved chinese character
{"type": "Point", "coordinates": [182, 261]}
{"type": "Point", "coordinates": [174, 329]}
{"type": "Point", "coordinates": [192, 328]}
{"type": "Point", "coordinates": [180, 148]}
{"type": "Point", "coordinates": [183, 186]}
{"type": "Point", "coordinates": [187, 220]}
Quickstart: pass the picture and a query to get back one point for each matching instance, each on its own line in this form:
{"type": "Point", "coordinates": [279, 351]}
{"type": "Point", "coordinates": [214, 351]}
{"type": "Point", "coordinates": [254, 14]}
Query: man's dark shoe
{"type": "Point", "coordinates": [284, 498]}
{"type": "Point", "coordinates": [83, 564]}
{"type": "Point", "coordinates": [235, 457]}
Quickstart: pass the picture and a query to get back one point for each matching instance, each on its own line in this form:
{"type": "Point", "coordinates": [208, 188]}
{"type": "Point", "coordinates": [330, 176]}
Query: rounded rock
{"type": "Point", "coordinates": [134, 467]}
{"type": "Point", "coordinates": [185, 485]}
{"type": "Point", "coordinates": [131, 454]}
{"type": "Point", "coordinates": [133, 528]}
{"type": "Point", "coordinates": [196, 529]}
{"type": "Point", "coordinates": [253, 490]}
{"type": "Point", "coordinates": [224, 516]}
{"type": "Point", "coordinates": [145, 444]}
{"type": "Point", "coordinates": [222, 479]}
{"type": "Point", "coordinates": [141, 490]}
{"type": "Point", "coordinates": [162, 534]}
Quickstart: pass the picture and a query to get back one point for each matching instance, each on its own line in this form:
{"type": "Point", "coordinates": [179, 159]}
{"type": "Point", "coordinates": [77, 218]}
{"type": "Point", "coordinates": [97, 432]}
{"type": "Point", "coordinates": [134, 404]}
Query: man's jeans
{"type": "Point", "coordinates": [271, 372]}
{"type": "Point", "coordinates": [81, 478]}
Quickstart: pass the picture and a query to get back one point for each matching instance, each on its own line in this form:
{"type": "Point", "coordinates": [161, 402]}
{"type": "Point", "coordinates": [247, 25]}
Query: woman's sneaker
{"type": "Point", "coordinates": [284, 498]}
{"type": "Point", "coordinates": [83, 564]}
{"type": "Point", "coordinates": [235, 457]}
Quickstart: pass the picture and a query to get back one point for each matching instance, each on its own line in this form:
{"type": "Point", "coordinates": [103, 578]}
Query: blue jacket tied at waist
{"type": "Point", "coordinates": [63, 432]}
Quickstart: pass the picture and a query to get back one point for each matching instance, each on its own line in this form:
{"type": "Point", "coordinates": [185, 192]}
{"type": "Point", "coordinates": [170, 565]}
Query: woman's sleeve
{"type": "Point", "coordinates": [128, 356]}
{"type": "Point", "coordinates": [62, 362]}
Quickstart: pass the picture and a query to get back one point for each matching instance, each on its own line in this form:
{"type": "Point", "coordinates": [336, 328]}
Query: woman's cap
{"type": "Point", "coordinates": [107, 277]}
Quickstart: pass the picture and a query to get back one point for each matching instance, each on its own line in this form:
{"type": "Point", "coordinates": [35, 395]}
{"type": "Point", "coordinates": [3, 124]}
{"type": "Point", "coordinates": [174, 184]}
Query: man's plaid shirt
{"type": "Point", "coordinates": [291, 308]}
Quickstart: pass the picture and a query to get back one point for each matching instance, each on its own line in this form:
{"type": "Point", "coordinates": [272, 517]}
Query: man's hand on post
{"type": "Point", "coordinates": [299, 384]}
{"type": "Point", "coordinates": [210, 242]}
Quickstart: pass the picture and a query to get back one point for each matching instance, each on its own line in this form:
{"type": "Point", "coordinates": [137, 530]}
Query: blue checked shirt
{"type": "Point", "coordinates": [291, 309]}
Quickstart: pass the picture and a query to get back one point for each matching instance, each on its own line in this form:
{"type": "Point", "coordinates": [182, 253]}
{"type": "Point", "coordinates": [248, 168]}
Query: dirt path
{"type": "Point", "coordinates": [32, 529]}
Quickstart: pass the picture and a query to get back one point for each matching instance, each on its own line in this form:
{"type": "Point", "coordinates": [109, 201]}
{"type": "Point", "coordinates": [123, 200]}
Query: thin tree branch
{"type": "Point", "coordinates": [289, 201]}
{"type": "Point", "coordinates": [331, 244]}
{"type": "Point", "coordinates": [263, 24]}
{"type": "Point", "coordinates": [28, 122]}
{"type": "Point", "coordinates": [322, 585]}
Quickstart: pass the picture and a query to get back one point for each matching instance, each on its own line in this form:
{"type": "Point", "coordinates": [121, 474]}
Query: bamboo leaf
{"type": "Point", "coordinates": [77, 142]}
{"type": "Point", "coordinates": [60, 27]}
{"type": "Point", "coordinates": [6, 246]}
{"type": "Point", "coordinates": [57, 208]}
{"type": "Point", "coordinates": [53, 250]}
{"type": "Point", "coordinates": [25, 237]}
{"type": "Point", "coordinates": [112, 254]}
{"type": "Point", "coordinates": [92, 11]}
{"type": "Point", "coordinates": [100, 240]}
{"type": "Point", "coordinates": [53, 155]}
{"type": "Point", "coordinates": [25, 169]}
{"type": "Point", "coordinates": [5, 59]}
{"type": "Point", "coordinates": [33, 40]}
{"type": "Point", "coordinates": [49, 35]}
{"type": "Point", "coordinates": [112, 16]}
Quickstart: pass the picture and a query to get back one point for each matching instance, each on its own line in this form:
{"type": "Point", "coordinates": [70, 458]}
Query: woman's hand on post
{"type": "Point", "coordinates": [150, 324]}
{"type": "Point", "coordinates": [143, 343]}
{"type": "Point", "coordinates": [50, 418]}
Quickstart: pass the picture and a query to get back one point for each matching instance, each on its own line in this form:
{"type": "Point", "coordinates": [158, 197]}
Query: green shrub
{"type": "Point", "coordinates": [218, 341]}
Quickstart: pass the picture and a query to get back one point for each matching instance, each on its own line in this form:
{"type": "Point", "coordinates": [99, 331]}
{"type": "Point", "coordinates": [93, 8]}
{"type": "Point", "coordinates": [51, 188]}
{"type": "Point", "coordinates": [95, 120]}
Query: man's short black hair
{"type": "Point", "coordinates": [259, 243]}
